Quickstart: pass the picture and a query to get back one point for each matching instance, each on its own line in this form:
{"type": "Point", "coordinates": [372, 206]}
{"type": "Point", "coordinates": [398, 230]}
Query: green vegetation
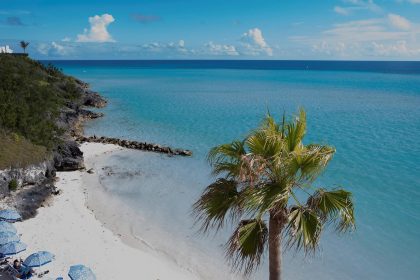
{"type": "Point", "coordinates": [266, 187]}
{"type": "Point", "coordinates": [13, 185]}
{"type": "Point", "coordinates": [31, 95]}
{"type": "Point", "coordinates": [16, 151]}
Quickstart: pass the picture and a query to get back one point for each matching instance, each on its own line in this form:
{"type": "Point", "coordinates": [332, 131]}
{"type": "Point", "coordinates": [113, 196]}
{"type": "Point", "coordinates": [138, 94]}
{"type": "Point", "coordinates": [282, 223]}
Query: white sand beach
{"type": "Point", "coordinates": [69, 229]}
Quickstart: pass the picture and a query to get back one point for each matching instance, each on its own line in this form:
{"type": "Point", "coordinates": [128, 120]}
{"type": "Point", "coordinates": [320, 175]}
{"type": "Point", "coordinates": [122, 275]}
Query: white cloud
{"type": "Point", "coordinates": [378, 37]}
{"type": "Point", "coordinates": [341, 10]}
{"type": "Point", "coordinates": [399, 22]}
{"type": "Point", "coordinates": [400, 48]}
{"type": "Point", "coordinates": [66, 39]}
{"type": "Point", "coordinates": [43, 48]}
{"type": "Point", "coordinates": [59, 49]}
{"type": "Point", "coordinates": [220, 49]}
{"type": "Point", "coordinates": [170, 48]}
{"type": "Point", "coordinates": [351, 6]}
{"type": "Point", "coordinates": [179, 47]}
{"type": "Point", "coordinates": [54, 49]}
{"type": "Point", "coordinates": [255, 44]}
{"type": "Point", "coordinates": [98, 31]}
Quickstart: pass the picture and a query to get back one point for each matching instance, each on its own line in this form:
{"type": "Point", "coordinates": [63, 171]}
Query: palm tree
{"type": "Point", "coordinates": [269, 176]}
{"type": "Point", "coordinates": [24, 45]}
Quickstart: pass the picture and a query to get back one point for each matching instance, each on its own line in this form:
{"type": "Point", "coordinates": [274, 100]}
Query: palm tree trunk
{"type": "Point", "coordinates": [274, 246]}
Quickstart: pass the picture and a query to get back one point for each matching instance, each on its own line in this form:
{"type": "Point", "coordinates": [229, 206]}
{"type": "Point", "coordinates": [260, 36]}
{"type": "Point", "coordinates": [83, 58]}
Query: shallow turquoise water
{"type": "Point", "coordinates": [373, 120]}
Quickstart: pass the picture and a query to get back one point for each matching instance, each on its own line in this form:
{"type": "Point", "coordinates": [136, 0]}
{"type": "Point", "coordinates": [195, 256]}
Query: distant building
{"type": "Point", "coordinates": [5, 49]}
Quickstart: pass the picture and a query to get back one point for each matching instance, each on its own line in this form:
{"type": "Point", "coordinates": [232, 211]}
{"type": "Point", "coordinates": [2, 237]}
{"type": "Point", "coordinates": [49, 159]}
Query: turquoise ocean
{"type": "Point", "coordinates": [369, 111]}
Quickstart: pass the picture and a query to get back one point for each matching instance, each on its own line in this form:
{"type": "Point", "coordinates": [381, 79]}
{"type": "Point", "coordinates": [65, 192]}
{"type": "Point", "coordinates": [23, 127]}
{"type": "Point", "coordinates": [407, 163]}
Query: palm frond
{"type": "Point", "coordinates": [303, 229]}
{"type": "Point", "coordinates": [265, 144]}
{"type": "Point", "coordinates": [271, 127]}
{"type": "Point", "coordinates": [218, 201]}
{"type": "Point", "coordinates": [224, 152]}
{"type": "Point", "coordinates": [258, 201]}
{"type": "Point", "coordinates": [296, 131]}
{"type": "Point", "coordinates": [246, 246]}
{"type": "Point", "coordinates": [226, 158]}
{"type": "Point", "coordinates": [334, 206]}
{"type": "Point", "coordinates": [311, 160]}
{"type": "Point", "coordinates": [228, 169]}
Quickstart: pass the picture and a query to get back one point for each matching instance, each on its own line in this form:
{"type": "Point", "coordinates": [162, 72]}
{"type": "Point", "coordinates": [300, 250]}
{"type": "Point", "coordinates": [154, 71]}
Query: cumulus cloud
{"type": "Point", "coordinates": [60, 49]}
{"type": "Point", "coordinates": [98, 31]}
{"type": "Point", "coordinates": [255, 44]}
{"type": "Point", "coordinates": [399, 22]}
{"type": "Point", "coordinates": [221, 49]}
{"type": "Point", "coordinates": [170, 48]}
{"type": "Point", "coordinates": [54, 49]}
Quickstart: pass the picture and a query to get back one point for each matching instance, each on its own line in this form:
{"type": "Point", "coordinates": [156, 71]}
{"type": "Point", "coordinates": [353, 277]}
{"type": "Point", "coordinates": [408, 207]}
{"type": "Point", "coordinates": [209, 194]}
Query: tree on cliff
{"type": "Point", "coordinates": [266, 186]}
{"type": "Point", "coordinates": [24, 45]}
{"type": "Point", "coordinates": [31, 96]}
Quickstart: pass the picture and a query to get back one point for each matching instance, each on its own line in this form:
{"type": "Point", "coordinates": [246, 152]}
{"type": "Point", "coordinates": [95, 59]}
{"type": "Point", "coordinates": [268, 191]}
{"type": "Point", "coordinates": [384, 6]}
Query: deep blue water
{"type": "Point", "coordinates": [400, 67]}
{"type": "Point", "coordinates": [370, 111]}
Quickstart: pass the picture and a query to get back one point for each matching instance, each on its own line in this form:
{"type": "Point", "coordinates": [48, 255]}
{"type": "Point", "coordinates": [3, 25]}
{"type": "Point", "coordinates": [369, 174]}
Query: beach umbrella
{"type": "Point", "coordinates": [81, 272]}
{"type": "Point", "coordinates": [7, 236]}
{"type": "Point", "coordinates": [12, 248]}
{"type": "Point", "coordinates": [9, 215]}
{"type": "Point", "coordinates": [6, 226]}
{"type": "Point", "coordinates": [38, 259]}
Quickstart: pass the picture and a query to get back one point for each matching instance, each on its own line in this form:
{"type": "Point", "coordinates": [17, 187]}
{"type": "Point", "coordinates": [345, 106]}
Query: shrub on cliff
{"type": "Point", "coordinates": [13, 185]}
{"type": "Point", "coordinates": [31, 96]}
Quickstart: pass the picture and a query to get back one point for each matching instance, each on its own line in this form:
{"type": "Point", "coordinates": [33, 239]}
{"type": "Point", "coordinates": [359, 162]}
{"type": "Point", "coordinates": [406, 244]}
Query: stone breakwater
{"type": "Point", "coordinates": [143, 146]}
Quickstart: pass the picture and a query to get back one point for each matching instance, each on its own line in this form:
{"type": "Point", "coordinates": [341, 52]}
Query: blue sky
{"type": "Point", "coordinates": [214, 29]}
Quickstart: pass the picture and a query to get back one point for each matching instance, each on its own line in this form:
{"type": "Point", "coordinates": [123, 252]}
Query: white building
{"type": "Point", "coordinates": [5, 49]}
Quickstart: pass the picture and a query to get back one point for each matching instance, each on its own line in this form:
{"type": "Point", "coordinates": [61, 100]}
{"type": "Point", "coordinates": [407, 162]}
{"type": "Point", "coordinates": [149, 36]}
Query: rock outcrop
{"type": "Point", "coordinates": [93, 99]}
{"type": "Point", "coordinates": [68, 156]}
{"type": "Point", "coordinates": [30, 175]}
{"type": "Point", "coordinates": [90, 98]}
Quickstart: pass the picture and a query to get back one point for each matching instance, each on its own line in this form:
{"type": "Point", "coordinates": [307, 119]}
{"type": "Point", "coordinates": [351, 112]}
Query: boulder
{"type": "Point", "coordinates": [68, 156]}
{"type": "Point", "coordinates": [93, 99]}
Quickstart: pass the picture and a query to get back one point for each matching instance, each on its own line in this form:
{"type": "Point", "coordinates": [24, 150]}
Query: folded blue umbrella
{"type": "Point", "coordinates": [6, 226]}
{"type": "Point", "coordinates": [12, 248]}
{"type": "Point", "coordinates": [38, 259]}
{"type": "Point", "coordinates": [9, 215]}
{"type": "Point", "coordinates": [81, 272]}
{"type": "Point", "coordinates": [7, 236]}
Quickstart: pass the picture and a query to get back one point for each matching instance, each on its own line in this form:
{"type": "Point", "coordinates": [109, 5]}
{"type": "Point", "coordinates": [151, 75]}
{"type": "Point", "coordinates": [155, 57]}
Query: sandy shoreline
{"type": "Point", "coordinates": [70, 230]}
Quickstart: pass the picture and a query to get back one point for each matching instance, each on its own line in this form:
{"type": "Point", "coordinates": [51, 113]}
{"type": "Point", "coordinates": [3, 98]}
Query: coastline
{"type": "Point", "coordinates": [70, 230]}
